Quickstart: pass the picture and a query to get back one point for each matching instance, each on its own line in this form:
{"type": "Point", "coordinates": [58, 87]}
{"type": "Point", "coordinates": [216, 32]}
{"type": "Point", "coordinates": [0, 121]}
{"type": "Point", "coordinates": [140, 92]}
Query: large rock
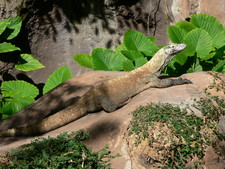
{"type": "Point", "coordinates": [111, 128]}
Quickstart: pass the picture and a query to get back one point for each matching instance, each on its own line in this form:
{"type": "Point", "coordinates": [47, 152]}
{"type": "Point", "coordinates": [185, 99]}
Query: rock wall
{"type": "Point", "coordinates": [56, 29]}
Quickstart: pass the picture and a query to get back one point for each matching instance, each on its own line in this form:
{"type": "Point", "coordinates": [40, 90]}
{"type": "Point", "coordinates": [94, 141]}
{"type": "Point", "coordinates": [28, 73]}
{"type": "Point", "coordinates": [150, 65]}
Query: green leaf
{"type": "Point", "coordinates": [14, 105]}
{"type": "Point", "coordinates": [139, 42]}
{"type": "Point", "coordinates": [19, 94]}
{"type": "Point", "coordinates": [106, 59]}
{"type": "Point", "coordinates": [198, 41]}
{"type": "Point", "coordinates": [140, 61]}
{"type": "Point", "coordinates": [209, 56]}
{"type": "Point", "coordinates": [57, 77]}
{"type": "Point", "coordinates": [219, 67]}
{"type": "Point", "coordinates": [121, 47]}
{"type": "Point", "coordinates": [187, 26]}
{"type": "Point", "coordinates": [132, 55]}
{"type": "Point", "coordinates": [28, 63]}
{"type": "Point", "coordinates": [212, 26]}
{"type": "Point", "coordinates": [84, 60]}
{"type": "Point", "coordinates": [181, 58]}
{"type": "Point", "coordinates": [195, 67]}
{"type": "Point", "coordinates": [14, 27]}
{"type": "Point", "coordinates": [7, 47]}
{"type": "Point", "coordinates": [18, 89]}
{"type": "Point", "coordinates": [171, 65]}
{"type": "Point", "coordinates": [128, 65]}
{"type": "Point", "coordinates": [153, 39]}
{"type": "Point", "coordinates": [176, 34]}
{"type": "Point", "coordinates": [3, 26]}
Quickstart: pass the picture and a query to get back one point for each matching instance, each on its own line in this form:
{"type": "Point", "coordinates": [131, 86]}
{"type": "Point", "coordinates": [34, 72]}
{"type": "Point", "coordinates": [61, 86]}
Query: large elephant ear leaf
{"type": "Point", "coordinates": [84, 60]}
{"type": "Point", "coordinates": [139, 42]}
{"type": "Point", "coordinates": [106, 59]}
{"type": "Point", "coordinates": [220, 67]}
{"type": "Point", "coordinates": [57, 77]}
{"type": "Point", "coordinates": [187, 26]}
{"type": "Point", "coordinates": [13, 28]}
{"type": "Point", "coordinates": [212, 26]}
{"type": "Point", "coordinates": [28, 63]}
{"type": "Point", "coordinates": [18, 95]}
{"type": "Point", "coordinates": [7, 47]}
{"type": "Point", "coordinates": [3, 25]}
{"type": "Point", "coordinates": [198, 41]}
{"type": "Point", "coordinates": [120, 48]}
{"type": "Point", "coordinates": [176, 34]}
{"type": "Point", "coordinates": [128, 65]}
{"type": "Point", "coordinates": [132, 55]}
{"type": "Point", "coordinates": [181, 58]}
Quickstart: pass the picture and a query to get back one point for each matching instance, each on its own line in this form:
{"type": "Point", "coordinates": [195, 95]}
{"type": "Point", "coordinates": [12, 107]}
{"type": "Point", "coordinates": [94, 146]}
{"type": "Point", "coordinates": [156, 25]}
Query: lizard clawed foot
{"type": "Point", "coordinates": [180, 81]}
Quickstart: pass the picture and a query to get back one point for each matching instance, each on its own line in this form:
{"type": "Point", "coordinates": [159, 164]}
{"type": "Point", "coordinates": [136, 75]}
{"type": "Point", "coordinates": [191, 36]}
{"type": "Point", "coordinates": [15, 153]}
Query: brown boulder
{"type": "Point", "coordinates": [111, 128]}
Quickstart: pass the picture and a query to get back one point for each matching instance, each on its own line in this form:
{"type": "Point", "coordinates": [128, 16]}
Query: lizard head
{"type": "Point", "coordinates": [174, 48]}
{"type": "Point", "coordinates": [161, 59]}
{"type": "Point", "coordinates": [167, 54]}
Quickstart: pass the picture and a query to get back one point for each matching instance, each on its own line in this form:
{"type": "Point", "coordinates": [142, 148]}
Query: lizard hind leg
{"type": "Point", "coordinates": [107, 104]}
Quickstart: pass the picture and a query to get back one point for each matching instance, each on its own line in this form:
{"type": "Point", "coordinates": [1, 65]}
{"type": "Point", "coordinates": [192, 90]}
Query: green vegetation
{"type": "Point", "coordinates": [217, 85]}
{"type": "Point", "coordinates": [57, 77]}
{"type": "Point", "coordinates": [16, 95]}
{"type": "Point", "coordinates": [204, 36]}
{"type": "Point", "coordinates": [65, 151]}
{"type": "Point", "coordinates": [9, 29]}
{"type": "Point", "coordinates": [179, 136]}
{"type": "Point", "coordinates": [136, 50]}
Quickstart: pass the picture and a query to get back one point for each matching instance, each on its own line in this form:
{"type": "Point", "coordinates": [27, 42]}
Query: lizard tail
{"type": "Point", "coordinates": [52, 122]}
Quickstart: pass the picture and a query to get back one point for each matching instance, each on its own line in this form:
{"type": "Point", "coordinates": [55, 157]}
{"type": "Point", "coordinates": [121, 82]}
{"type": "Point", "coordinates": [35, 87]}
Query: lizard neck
{"type": "Point", "coordinates": [157, 63]}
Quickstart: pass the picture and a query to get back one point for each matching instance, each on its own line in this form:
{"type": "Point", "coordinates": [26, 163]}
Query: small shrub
{"type": "Point", "coordinates": [65, 151]}
{"type": "Point", "coordinates": [180, 136]}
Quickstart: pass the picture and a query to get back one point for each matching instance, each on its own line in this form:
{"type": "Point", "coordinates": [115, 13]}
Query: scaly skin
{"type": "Point", "coordinates": [109, 95]}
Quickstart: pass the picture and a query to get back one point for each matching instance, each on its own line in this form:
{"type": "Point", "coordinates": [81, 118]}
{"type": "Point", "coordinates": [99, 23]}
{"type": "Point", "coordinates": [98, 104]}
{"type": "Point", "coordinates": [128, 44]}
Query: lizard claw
{"type": "Point", "coordinates": [180, 81]}
{"type": "Point", "coordinates": [186, 81]}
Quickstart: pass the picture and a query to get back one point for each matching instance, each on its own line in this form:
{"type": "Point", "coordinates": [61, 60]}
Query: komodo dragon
{"type": "Point", "coordinates": [109, 95]}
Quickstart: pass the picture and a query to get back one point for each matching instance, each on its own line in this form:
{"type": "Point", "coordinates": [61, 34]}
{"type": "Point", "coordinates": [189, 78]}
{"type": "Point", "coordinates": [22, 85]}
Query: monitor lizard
{"type": "Point", "coordinates": [109, 95]}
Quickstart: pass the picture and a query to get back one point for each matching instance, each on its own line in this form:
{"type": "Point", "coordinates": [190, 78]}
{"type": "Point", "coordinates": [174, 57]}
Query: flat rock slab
{"type": "Point", "coordinates": [110, 128]}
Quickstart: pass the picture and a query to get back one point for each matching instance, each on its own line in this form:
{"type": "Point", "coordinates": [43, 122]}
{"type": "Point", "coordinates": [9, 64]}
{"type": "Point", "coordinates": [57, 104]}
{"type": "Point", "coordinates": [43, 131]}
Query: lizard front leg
{"type": "Point", "coordinates": [161, 83]}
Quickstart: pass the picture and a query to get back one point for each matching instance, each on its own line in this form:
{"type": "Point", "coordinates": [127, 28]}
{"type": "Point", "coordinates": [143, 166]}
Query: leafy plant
{"type": "Point", "coordinates": [57, 77]}
{"type": "Point", "coordinates": [134, 52]}
{"type": "Point", "coordinates": [16, 95]}
{"type": "Point", "coordinates": [204, 36]}
{"type": "Point", "coordinates": [9, 29]}
{"type": "Point", "coordinates": [27, 62]}
{"type": "Point", "coordinates": [65, 151]}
